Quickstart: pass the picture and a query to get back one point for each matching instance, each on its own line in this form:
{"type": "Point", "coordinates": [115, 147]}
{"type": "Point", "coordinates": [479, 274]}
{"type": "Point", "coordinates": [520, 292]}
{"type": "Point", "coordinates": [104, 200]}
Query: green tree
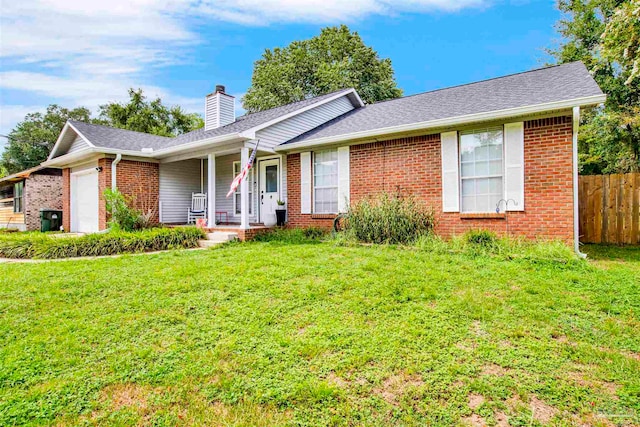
{"type": "Point", "coordinates": [3, 172]}
{"type": "Point", "coordinates": [621, 41]}
{"type": "Point", "coordinates": [153, 117]}
{"type": "Point", "coordinates": [604, 35]}
{"type": "Point", "coordinates": [31, 140]}
{"type": "Point", "coordinates": [335, 59]}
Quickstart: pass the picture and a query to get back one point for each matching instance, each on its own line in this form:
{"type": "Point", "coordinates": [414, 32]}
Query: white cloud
{"type": "Point", "coordinates": [90, 52]}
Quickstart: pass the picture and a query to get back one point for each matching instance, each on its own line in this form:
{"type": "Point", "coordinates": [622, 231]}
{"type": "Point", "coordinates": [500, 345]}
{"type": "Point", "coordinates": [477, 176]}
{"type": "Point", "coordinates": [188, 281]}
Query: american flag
{"type": "Point", "coordinates": [243, 173]}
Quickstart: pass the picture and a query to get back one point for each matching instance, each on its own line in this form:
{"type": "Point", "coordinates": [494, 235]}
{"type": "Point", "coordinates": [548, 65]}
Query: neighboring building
{"type": "Point", "coordinates": [23, 194]}
{"type": "Point", "coordinates": [461, 150]}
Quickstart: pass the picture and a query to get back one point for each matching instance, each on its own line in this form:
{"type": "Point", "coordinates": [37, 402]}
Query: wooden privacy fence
{"type": "Point", "coordinates": [610, 208]}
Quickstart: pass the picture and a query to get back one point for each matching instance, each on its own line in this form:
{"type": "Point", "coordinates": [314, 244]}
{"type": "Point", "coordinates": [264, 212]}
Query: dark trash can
{"type": "Point", "coordinates": [281, 217]}
{"type": "Point", "coordinates": [50, 220]}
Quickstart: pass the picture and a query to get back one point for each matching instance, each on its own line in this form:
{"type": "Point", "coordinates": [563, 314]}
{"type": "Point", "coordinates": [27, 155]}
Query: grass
{"type": "Point", "coordinates": [268, 333]}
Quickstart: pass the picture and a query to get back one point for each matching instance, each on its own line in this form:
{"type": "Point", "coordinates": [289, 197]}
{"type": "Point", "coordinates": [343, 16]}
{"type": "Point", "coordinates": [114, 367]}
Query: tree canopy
{"type": "Point", "coordinates": [153, 117]}
{"type": "Point", "coordinates": [605, 35]}
{"type": "Point", "coordinates": [335, 59]}
{"type": "Point", "coordinates": [31, 140]}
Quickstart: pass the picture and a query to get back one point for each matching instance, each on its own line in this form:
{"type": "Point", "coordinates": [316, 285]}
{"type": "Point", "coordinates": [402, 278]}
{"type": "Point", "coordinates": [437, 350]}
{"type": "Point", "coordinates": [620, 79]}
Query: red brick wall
{"type": "Point", "coordinates": [413, 166]}
{"type": "Point", "coordinates": [66, 199]}
{"type": "Point", "coordinates": [138, 180]}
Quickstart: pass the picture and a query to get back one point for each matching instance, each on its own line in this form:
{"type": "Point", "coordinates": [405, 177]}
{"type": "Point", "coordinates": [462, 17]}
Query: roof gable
{"type": "Point", "coordinates": [69, 140]}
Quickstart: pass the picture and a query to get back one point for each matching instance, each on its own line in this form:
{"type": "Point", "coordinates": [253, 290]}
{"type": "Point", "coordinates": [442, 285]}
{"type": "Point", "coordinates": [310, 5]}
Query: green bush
{"type": "Point", "coordinates": [44, 246]}
{"type": "Point", "coordinates": [483, 238]}
{"type": "Point", "coordinates": [293, 235]}
{"type": "Point", "coordinates": [122, 215]}
{"type": "Point", "coordinates": [389, 219]}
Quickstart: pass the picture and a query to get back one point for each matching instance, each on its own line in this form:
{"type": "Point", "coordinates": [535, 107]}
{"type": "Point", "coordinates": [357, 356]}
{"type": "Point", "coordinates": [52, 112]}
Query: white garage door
{"type": "Point", "coordinates": [84, 201]}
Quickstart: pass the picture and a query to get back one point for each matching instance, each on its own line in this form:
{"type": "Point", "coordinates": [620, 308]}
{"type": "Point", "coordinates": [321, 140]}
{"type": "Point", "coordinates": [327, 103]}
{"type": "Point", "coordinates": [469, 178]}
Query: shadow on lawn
{"type": "Point", "coordinates": [612, 252]}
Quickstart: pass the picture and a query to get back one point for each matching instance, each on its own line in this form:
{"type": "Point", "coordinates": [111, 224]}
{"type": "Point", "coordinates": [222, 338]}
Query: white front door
{"type": "Point", "coordinates": [269, 188]}
{"type": "Point", "coordinates": [84, 201]}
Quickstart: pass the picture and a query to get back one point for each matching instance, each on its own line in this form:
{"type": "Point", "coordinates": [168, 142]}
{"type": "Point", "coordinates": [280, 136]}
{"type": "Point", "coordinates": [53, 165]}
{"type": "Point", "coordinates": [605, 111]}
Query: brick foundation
{"type": "Point", "coordinates": [413, 166]}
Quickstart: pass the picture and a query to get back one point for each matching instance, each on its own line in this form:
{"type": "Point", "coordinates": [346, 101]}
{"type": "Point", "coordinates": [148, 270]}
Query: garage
{"type": "Point", "coordinates": [84, 201]}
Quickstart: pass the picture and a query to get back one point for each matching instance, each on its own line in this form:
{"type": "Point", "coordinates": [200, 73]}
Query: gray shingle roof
{"type": "Point", "coordinates": [551, 84]}
{"type": "Point", "coordinates": [121, 139]}
{"type": "Point", "coordinates": [108, 137]}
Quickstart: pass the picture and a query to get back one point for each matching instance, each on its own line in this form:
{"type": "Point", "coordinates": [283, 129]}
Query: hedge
{"type": "Point", "coordinates": [48, 246]}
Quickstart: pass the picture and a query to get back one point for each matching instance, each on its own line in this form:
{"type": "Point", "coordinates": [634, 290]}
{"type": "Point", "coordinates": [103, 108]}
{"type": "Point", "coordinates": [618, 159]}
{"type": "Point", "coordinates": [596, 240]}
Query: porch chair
{"type": "Point", "coordinates": [198, 207]}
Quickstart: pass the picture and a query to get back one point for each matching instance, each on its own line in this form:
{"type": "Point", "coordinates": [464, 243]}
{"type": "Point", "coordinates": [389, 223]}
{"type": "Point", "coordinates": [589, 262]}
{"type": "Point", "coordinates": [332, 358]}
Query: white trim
{"type": "Point", "coordinates": [344, 178]}
{"type": "Point", "coordinates": [65, 128]}
{"type": "Point", "coordinates": [251, 176]}
{"type": "Point", "coordinates": [513, 163]}
{"type": "Point", "coordinates": [306, 182]}
{"type": "Point", "coordinates": [449, 121]}
{"type": "Point", "coordinates": [260, 162]}
{"type": "Point", "coordinates": [211, 188]}
{"type": "Point", "coordinates": [251, 133]}
{"type": "Point", "coordinates": [450, 164]}
{"type": "Point", "coordinates": [576, 213]}
{"type": "Point", "coordinates": [244, 192]}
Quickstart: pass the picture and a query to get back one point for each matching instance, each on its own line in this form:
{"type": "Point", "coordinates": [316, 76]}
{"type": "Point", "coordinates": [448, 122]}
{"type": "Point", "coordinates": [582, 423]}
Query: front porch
{"type": "Point", "coordinates": [245, 211]}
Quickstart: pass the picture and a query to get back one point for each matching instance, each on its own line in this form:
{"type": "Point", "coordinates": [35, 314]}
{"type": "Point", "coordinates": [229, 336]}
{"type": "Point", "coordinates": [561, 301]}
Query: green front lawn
{"type": "Point", "coordinates": [317, 334]}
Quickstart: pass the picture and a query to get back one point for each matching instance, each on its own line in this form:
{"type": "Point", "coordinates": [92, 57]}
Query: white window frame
{"type": "Point", "coordinates": [18, 200]}
{"type": "Point", "coordinates": [251, 176]}
{"type": "Point", "coordinates": [461, 178]}
{"type": "Point", "coordinates": [314, 187]}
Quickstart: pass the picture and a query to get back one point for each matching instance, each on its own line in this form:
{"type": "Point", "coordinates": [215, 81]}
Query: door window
{"type": "Point", "coordinates": [271, 179]}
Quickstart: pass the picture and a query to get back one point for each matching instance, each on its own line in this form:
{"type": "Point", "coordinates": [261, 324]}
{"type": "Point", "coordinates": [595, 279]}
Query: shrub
{"type": "Point", "coordinates": [483, 238]}
{"type": "Point", "coordinates": [389, 219]}
{"type": "Point", "coordinates": [45, 246]}
{"type": "Point", "coordinates": [122, 215]}
{"type": "Point", "coordinates": [293, 235]}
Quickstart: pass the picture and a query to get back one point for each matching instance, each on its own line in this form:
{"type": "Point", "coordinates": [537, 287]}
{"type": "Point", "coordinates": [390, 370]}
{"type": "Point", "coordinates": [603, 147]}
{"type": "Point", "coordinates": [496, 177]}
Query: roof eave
{"type": "Point", "coordinates": [449, 121]}
{"type": "Point", "coordinates": [66, 127]}
{"type": "Point", "coordinates": [70, 158]}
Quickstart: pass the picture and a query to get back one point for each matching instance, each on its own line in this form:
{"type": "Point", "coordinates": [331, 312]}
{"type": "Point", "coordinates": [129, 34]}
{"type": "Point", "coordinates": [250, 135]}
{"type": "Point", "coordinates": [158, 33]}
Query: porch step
{"type": "Point", "coordinates": [217, 238]}
{"type": "Point", "coordinates": [222, 236]}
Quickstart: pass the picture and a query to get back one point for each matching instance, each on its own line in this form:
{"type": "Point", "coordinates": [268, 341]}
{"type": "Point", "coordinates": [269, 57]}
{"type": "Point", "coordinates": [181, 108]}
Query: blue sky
{"type": "Point", "coordinates": [74, 52]}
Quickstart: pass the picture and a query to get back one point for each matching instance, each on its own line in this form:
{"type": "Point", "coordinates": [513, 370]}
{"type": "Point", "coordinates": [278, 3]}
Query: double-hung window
{"type": "Point", "coordinates": [325, 181]}
{"type": "Point", "coordinates": [237, 201]}
{"type": "Point", "coordinates": [18, 197]}
{"type": "Point", "coordinates": [481, 169]}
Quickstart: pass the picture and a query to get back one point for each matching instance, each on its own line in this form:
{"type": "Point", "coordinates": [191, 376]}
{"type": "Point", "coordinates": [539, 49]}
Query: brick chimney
{"type": "Point", "coordinates": [219, 109]}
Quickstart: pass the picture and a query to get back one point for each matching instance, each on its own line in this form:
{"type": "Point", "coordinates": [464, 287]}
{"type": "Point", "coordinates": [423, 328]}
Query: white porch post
{"type": "Point", "coordinates": [211, 189]}
{"type": "Point", "coordinates": [244, 191]}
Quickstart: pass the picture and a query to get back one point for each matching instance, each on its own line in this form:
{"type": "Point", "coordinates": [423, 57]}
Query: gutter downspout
{"type": "Point", "coordinates": [576, 213]}
{"type": "Point", "coordinates": [114, 169]}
